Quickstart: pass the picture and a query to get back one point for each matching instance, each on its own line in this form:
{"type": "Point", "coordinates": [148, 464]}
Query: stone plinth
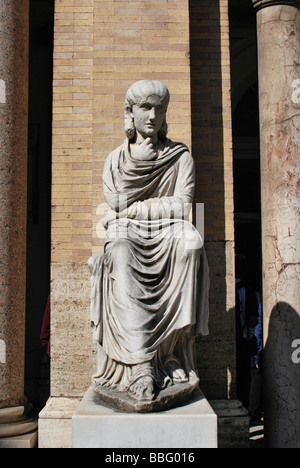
{"type": "Point", "coordinates": [192, 425]}
{"type": "Point", "coordinates": [55, 422]}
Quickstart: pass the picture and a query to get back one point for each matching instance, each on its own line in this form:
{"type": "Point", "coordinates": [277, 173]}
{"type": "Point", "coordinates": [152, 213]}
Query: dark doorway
{"type": "Point", "coordinates": [247, 209]}
{"type": "Point", "coordinates": [39, 197]}
{"type": "Point", "coordinates": [246, 171]}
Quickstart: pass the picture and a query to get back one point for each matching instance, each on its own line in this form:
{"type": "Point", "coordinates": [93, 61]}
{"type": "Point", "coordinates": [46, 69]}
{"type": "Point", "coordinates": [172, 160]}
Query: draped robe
{"type": "Point", "coordinates": [150, 287]}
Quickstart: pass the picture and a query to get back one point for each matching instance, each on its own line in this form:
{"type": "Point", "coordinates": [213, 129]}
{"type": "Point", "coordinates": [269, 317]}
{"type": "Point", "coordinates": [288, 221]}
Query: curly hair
{"type": "Point", "coordinates": [138, 91]}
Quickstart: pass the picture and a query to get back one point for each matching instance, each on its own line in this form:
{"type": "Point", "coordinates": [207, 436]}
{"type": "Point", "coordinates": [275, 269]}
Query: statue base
{"type": "Point", "coordinates": [193, 425]}
{"type": "Point", "coordinates": [165, 399]}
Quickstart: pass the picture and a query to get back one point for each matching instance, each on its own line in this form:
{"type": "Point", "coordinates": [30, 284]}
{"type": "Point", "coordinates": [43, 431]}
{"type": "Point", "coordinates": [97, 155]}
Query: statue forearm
{"type": "Point", "coordinates": [154, 208]}
{"type": "Point", "coordinates": [160, 208]}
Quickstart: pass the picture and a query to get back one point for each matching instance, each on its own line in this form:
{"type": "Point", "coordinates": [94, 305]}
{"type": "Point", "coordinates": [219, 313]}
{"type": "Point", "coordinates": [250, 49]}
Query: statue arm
{"type": "Point", "coordinates": [177, 206]}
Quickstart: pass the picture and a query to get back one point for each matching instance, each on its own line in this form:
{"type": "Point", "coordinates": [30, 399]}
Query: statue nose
{"type": "Point", "coordinates": [152, 114]}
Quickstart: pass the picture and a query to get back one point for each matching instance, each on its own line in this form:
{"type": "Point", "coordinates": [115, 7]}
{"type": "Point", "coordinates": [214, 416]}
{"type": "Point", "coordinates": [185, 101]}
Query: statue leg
{"type": "Point", "coordinates": [125, 290]}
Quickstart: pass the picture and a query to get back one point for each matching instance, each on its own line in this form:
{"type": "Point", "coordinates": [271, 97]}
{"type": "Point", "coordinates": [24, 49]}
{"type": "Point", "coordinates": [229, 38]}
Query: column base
{"type": "Point", "coordinates": [22, 441]}
{"type": "Point", "coordinates": [191, 425]}
{"type": "Point", "coordinates": [233, 423]}
{"type": "Point", "coordinates": [17, 429]}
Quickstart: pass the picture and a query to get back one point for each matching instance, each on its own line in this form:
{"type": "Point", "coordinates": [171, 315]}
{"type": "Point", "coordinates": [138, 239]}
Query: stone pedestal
{"type": "Point", "coordinates": [192, 425]}
{"type": "Point", "coordinates": [278, 32]}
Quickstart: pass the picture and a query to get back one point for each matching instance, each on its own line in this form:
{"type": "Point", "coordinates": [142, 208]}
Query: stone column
{"type": "Point", "coordinates": [278, 32]}
{"type": "Point", "coordinates": [14, 30]}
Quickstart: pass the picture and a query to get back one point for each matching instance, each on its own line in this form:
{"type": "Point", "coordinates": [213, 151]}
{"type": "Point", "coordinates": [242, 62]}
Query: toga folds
{"type": "Point", "coordinates": [150, 286]}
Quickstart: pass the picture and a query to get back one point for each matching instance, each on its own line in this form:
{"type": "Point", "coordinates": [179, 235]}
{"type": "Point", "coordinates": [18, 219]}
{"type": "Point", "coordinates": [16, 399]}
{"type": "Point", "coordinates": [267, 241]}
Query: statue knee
{"type": "Point", "coordinates": [190, 243]}
{"type": "Point", "coordinates": [121, 252]}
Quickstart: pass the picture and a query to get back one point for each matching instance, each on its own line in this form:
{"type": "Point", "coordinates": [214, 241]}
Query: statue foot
{"type": "Point", "coordinates": [142, 387]}
{"type": "Point", "coordinates": [175, 371]}
{"type": "Point", "coordinates": [179, 376]}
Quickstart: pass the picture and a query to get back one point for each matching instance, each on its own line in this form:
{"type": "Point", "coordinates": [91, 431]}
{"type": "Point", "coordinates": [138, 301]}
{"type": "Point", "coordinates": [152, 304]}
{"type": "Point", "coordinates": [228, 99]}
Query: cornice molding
{"type": "Point", "coordinates": [258, 4]}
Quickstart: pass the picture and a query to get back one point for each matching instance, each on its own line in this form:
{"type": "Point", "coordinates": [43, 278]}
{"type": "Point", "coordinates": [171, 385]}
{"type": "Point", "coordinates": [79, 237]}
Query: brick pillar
{"type": "Point", "coordinates": [14, 19]}
{"type": "Point", "coordinates": [278, 29]}
{"type": "Point", "coordinates": [100, 49]}
{"type": "Point", "coordinates": [212, 151]}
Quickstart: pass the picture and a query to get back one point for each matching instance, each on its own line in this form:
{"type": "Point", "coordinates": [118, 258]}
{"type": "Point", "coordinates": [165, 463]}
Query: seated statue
{"type": "Point", "coordinates": [150, 286]}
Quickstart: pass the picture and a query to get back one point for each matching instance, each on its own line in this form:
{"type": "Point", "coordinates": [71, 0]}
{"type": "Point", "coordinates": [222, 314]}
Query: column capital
{"type": "Point", "coordinates": [258, 4]}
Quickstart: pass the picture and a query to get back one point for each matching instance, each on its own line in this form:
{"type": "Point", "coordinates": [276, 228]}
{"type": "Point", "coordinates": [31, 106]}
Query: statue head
{"type": "Point", "coordinates": [139, 92]}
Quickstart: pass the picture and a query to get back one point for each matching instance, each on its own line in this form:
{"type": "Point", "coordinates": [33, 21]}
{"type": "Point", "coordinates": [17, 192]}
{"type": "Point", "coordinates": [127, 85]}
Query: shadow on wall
{"type": "Point", "coordinates": [216, 352]}
{"type": "Point", "coordinates": [281, 371]}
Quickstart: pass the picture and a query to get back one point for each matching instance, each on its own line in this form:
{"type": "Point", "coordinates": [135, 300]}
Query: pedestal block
{"type": "Point", "coordinates": [193, 425]}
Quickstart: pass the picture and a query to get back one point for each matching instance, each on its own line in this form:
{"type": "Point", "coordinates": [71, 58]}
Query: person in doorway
{"type": "Point", "coordinates": [255, 393]}
{"type": "Point", "coordinates": [45, 330]}
{"type": "Point", "coordinates": [246, 321]}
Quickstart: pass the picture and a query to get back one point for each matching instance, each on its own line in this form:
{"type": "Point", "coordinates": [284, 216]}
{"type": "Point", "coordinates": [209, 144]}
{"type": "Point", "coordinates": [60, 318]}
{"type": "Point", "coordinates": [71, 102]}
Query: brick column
{"type": "Point", "coordinates": [278, 29]}
{"type": "Point", "coordinates": [14, 18]}
{"type": "Point", "coordinates": [100, 49]}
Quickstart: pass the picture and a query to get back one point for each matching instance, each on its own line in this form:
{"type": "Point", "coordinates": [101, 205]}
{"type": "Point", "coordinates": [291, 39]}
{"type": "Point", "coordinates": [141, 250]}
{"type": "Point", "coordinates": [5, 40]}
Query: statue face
{"type": "Point", "coordinates": [149, 115]}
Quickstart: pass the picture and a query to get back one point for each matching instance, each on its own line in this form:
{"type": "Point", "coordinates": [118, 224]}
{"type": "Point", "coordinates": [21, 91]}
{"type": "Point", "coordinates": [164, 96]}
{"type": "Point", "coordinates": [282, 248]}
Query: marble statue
{"type": "Point", "coordinates": [150, 286]}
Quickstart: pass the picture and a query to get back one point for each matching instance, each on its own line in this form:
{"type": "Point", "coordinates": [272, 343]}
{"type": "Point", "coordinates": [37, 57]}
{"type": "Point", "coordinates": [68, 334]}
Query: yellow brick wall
{"type": "Point", "coordinates": [72, 142]}
{"type": "Point", "coordinates": [212, 151]}
{"type": "Point", "coordinates": [227, 122]}
{"type": "Point", "coordinates": [211, 115]}
{"type": "Point", "coordinates": [100, 48]}
{"type": "Point", "coordinates": [132, 41]}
